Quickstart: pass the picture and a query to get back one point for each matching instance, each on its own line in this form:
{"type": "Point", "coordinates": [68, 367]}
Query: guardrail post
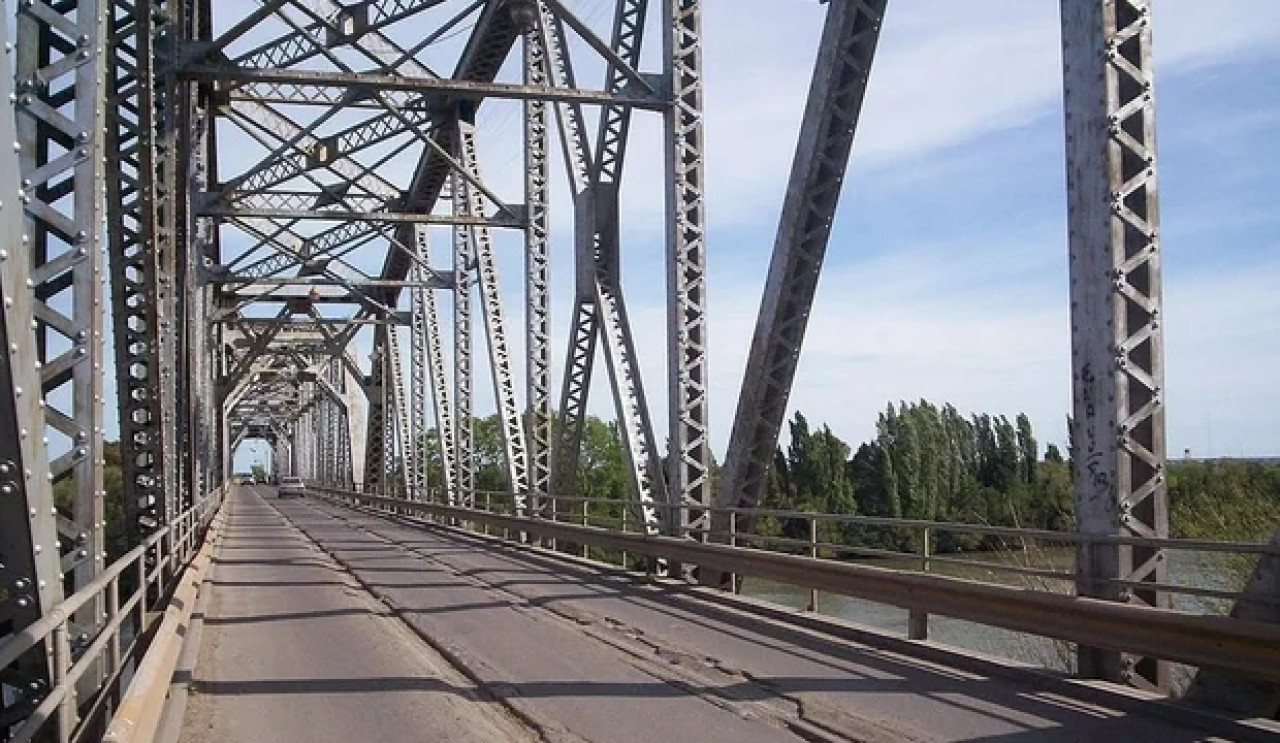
{"type": "Point", "coordinates": [918, 621]}
{"type": "Point", "coordinates": [113, 610]}
{"type": "Point", "coordinates": [555, 516]}
{"type": "Point", "coordinates": [733, 542]}
{"type": "Point", "coordinates": [61, 667]}
{"type": "Point", "coordinates": [625, 525]}
{"type": "Point", "coordinates": [142, 591]}
{"type": "Point", "coordinates": [813, 552]}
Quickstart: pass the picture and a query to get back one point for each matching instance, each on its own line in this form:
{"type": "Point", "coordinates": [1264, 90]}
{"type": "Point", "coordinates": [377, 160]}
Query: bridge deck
{"type": "Point", "coordinates": [316, 623]}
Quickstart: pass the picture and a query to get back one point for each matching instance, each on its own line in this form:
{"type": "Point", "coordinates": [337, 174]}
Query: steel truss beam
{"type": "Point", "coordinates": [399, 420]}
{"type": "Point", "coordinates": [336, 87]}
{"type": "Point", "coordinates": [136, 275]}
{"type": "Point", "coordinates": [60, 93]}
{"type": "Point", "coordinates": [689, 462]}
{"type": "Point", "coordinates": [376, 212]}
{"type": "Point", "coordinates": [537, 185]}
{"type": "Point", "coordinates": [600, 310]}
{"type": "Point", "coordinates": [839, 84]}
{"type": "Point", "coordinates": [468, 201]}
{"type": "Point", "coordinates": [30, 572]}
{"type": "Point", "coordinates": [427, 331]}
{"type": "Point", "coordinates": [1117, 344]}
{"type": "Point", "coordinates": [464, 472]}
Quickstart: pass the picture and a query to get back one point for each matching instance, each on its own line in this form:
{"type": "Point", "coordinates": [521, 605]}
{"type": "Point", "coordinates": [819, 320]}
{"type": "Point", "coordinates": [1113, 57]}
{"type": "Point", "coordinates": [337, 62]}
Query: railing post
{"type": "Point", "coordinates": [813, 552]}
{"type": "Point", "coordinates": [586, 551]}
{"type": "Point", "coordinates": [625, 512]}
{"type": "Point", "coordinates": [918, 621]}
{"type": "Point", "coordinates": [733, 542]}
{"type": "Point", "coordinates": [488, 508]}
{"type": "Point", "coordinates": [113, 610]}
{"type": "Point", "coordinates": [61, 667]}
{"type": "Point", "coordinates": [142, 591]}
{"type": "Point", "coordinates": [555, 517]}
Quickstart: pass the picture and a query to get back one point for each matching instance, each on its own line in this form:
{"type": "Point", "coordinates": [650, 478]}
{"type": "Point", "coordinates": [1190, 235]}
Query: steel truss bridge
{"type": "Point", "coordinates": [271, 220]}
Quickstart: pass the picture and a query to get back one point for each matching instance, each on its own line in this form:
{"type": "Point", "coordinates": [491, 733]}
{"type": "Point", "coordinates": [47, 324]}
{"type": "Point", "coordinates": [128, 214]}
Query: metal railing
{"type": "Point", "coordinates": [922, 535]}
{"type": "Point", "coordinates": [1240, 646]}
{"type": "Point", "coordinates": [151, 570]}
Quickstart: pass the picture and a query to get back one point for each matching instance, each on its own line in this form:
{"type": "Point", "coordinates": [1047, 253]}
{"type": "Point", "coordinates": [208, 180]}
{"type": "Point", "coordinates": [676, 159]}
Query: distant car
{"type": "Point", "coordinates": [292, 485]}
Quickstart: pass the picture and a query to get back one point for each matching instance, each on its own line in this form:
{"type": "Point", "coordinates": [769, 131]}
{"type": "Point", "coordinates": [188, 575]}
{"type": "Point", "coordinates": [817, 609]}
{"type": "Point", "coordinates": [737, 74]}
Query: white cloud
{"type": "Point", "coordinates": [911, 326]}
{"type": "Point", "coordinates": [947, 73]}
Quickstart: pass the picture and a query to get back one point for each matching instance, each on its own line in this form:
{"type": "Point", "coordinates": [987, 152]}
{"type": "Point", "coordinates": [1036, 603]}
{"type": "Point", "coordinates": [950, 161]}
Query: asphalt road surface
{"type": "Point", "coordinates": [327, 624]}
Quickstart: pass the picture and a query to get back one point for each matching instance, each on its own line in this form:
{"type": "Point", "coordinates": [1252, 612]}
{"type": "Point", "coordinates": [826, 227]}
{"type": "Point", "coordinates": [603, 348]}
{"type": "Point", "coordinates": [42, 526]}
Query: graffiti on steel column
{"type": "Point", "coordinates": [1094, 458]}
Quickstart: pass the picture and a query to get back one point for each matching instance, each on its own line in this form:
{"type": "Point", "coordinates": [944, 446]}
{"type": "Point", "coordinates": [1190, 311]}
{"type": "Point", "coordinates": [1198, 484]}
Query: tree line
{"type": "Point", "coordinates": [925, 462]}
{"type": "Point", "coordinates": [931, 462]}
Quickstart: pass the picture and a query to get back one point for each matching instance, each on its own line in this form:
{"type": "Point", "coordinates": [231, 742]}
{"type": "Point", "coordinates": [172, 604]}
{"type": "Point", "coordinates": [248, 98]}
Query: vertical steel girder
{"type": "Point", "coordinates": [464, 474]}
{"type": "Point", "coordinates": [1117, 346]}
{"type": "Point", "coordinates": [194, 245]}
{"type": "Point", "coordinates": [689, 463]}
{"type": "Point", "coordinates": [386, 386]}
{"type": "Point", "coordinates": [433, 347]}
{"type": "Point", "coordinates": [133, 217]}
{"type": "Point", "coordinates": [30, 569]}
{"type": "Point", "coordinates": [537, 277]}
{"type": "Point", "coordinates": [839, 84]}
{"type": "Point", "coordinates": [417, 459]}
{"type": "Point", "coordinates": [61, 95]}
{"type": "Point", "coordinates": [375, 431]}
{"type": "Point", "coordinates": [399, 405]}
{"type": "Point", "coordinates": [468, 202]}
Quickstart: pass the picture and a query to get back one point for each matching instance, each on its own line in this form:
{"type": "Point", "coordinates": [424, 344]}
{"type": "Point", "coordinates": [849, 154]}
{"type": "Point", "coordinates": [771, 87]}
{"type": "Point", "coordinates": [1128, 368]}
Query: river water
{"type": "Point", "coordinates": [1184, 569]}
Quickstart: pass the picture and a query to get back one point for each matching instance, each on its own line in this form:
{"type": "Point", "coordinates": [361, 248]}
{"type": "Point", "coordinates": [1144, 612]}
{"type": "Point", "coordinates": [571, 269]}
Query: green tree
{"type": "Point", "coordinates": [1028, 450]}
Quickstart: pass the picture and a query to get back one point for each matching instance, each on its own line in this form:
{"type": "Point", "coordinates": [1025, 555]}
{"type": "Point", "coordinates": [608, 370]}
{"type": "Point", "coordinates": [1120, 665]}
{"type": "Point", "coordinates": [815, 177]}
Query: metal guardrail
{"type": "Point", "coordinates": [922, 534]}
{"type": "Point", "coordinates": [1238, 646]}
{"type": "Point", "coordinates": [156, 563]}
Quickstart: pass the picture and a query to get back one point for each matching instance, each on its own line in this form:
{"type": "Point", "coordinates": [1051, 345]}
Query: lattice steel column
{"type": "Point", "coordinates": [61, 95]}
{"type": "Point", "coordinates": [193, 248]}
{"type": "Point", "coordinates": [30, 571]}
{"type": "Point", "coordinates": [433, 344]}
{"type": "Point", "coordinates": [133, 235]}
{"type": "Point", "coordinates": [463, 276]}
{"type": "Point", "coordinates": [400, 417]}
{"type": "Point", "coordinates": [374, 450]}
{"type": "Point", "coordinates": [1117, 345]}
{"type": "Point", "coordinates": [336, 474]}
{"type": "Point", "coordinates": [537, 176]}
{"type": "Point", "coordinates": [688, 472]}
{"type": "Point", "coordinates": [469, 202]}
{"type": "Point", "coordinates": [387, 387]}
{"type": "Point", "coordinates": [418, 389]}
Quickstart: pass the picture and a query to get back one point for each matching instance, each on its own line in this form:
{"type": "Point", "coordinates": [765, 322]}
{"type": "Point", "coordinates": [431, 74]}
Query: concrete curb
{"type": "Point", "coordinates": [138, 717]}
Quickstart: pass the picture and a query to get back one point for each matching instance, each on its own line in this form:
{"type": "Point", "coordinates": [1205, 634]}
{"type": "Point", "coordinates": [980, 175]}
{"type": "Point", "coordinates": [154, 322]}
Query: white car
{"type": "Point", "coordinates": [292, 485]}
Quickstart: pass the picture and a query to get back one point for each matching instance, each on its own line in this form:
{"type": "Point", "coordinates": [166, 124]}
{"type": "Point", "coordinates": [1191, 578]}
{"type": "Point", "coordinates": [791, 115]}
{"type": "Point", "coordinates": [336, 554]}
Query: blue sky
{"type": "Point", "coordinates": [946, 277]}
